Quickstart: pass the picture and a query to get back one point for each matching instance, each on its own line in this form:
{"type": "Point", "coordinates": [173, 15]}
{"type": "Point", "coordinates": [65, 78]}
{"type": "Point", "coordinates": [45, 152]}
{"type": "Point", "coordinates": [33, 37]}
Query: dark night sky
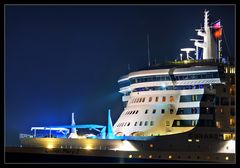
{"type": "Point", "coordinates": [64, 59]}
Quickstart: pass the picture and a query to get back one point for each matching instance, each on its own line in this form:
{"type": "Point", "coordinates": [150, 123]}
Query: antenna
{"type": "Point", "coordinates": [148, 50]}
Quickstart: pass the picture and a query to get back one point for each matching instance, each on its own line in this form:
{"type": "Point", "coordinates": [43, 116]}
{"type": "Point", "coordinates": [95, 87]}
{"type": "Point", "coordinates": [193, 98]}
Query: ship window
{"type": "Point", "coordinates": [232, 101]}
{"type": "Point", "coordinates": [231, 121]}
{"type": "Point", "coordinates": [135, 123]}
{"type": "Point", "coordinates": [125, 124]}
{"type": "Point", "coordinates": [167, 123]}
{"type": "Point", "coordinates": [163, 99]}
{"type": "Point", "coordinates": [128, 124]}
{"type": "Point", "coordinates": [193, 122]}
{"type": "Point", "coordinates": [140, 124]}
{"type": "Point", "coordinates": [143, 100]}
{"type": "Point", "coordinates": [163, 111]}
{"type": "Point", "coordinates": [178, 123]}
{"type": "Point", "coordinates": [224, 101]}
{"type": "Point", "coordinates": [194, 110]}
{"type": "Point", "coordinates": [140, 100]}
{"type": "Point", "coordinates": [216, 100]}
{"type": "Point", "coordinates": [156, 99]}
{"type": "Point", "coordinates": [146, 123]}
{"type": "Point", "coordinates": [146, 111]}
{"type": "Point", "coordinates": [136, 112]}
{"type": "Point", "coordinates": [171, 111]}
{"type": "Point", "coordinates": [151, 123]}
{"type": "Point", "coordinates": [133, 112]}
{"type": "Point", "coordinates": [150, 99]}
{"type": "Point", "coordinates": [154, 111]}
{"type": "Point", "coordinates": [218, 125]}
{"type": "Point", "coordinates": [232, 111]}
{"type": "Point", "coordinates": [171, 99]}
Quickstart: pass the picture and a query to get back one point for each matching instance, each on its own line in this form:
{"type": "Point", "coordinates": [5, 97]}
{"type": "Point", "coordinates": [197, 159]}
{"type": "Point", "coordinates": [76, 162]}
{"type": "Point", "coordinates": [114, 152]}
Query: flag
{"type": "Point", "coordinates": [217, 32]}
{"type": "Point", "coordinates": [217, 25]}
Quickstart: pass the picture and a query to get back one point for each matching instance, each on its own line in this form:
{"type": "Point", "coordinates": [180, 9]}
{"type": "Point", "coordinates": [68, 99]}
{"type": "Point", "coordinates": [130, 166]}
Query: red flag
{"type": "Point", "coordinates": [218, 33]}
{"type": "Point", "coordinates": [217, 29]}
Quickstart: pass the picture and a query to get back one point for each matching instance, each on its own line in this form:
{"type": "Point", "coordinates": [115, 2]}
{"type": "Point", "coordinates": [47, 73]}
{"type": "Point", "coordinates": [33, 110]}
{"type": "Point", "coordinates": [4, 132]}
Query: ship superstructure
{"type": "Point", "coordinates": [183, 110]}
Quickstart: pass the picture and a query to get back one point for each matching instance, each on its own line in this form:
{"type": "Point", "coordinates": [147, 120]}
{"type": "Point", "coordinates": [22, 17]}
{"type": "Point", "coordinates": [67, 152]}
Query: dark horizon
{"type": "Point", "coordinates": [67, 58]}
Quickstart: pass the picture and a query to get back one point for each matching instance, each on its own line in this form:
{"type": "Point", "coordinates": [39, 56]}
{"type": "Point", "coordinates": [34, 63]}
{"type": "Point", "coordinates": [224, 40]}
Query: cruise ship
{"type": "Point", "coordinates": [183, 110]}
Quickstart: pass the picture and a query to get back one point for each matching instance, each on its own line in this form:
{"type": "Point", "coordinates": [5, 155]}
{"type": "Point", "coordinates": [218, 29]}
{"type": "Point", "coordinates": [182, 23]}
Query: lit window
{"type": "Point", "coordinates": [150, 99]}
{"type": "Point", "coordinates": [227, 158]}
{"type": "Point", "coordinates": [189, 140]}
{"type": "Point", "coordinates": [146, 123]}
{"type": "Point", "coordinates": [150, 156]}
{"type": "Point", "coordinates": [151, 145]}
{"type": "Point", "coordinates": [139, 156]}
{"type": "Point", "coordinates": [227, 136]}
{"type": "Point", "coordinates": [193, 97]}
{"type": "Point", "coordinates": [171, 99]}
{"type": "Point", "coordinates": [163, 111]}
{"type": "Point", "coordinates": [178, 123]}
{"type": "Point", "coordinates": [170, 157]}
{"type": "Point", "coordinates": [130, 156]}
{"type": "Point", "coordinates": [231, 121]}
{"type": "Point", "coordinates": [156, 99]}
{"type": "Point", "coordinates": [154, 111]}
{"type": "Point", "coordinates": [146, 111]}
{"type": "Point", "coordinates": [218, 125]}
{"type": "Point", "coordinates": [193, 122]}
{"type": "Point", "coordinates": [163, 99]}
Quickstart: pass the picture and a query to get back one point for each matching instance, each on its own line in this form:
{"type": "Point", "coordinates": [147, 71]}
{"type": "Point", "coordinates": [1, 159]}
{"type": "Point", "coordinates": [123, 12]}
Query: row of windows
{"type": "Point", "coordinates": [190, 98]}
{"type": "Point", "coordinates": [184, 87]}
{"type": "Point", "coordinates": [174, 77]}
{"type": "Point", "coordinates": [177, 123]}
{"type": "Point", "coordinates": [169, 78]}
{"type": "Point", "coordinates": [181, 111]}
{"type": "Point", "coordinates": [171, 111]}
{"type": "Point", "coordinates": [191, 123]}
{"type": "Point", "coordinates": [184, 123]}
{"type": "Point", "coordinates": [151, 99]}
{"type": "Point", "coordinates": [131, 112]}
{"type": "Point", "coordinates": [140, 123]}
{"type": "Point", "coordinates": [194, 110]}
